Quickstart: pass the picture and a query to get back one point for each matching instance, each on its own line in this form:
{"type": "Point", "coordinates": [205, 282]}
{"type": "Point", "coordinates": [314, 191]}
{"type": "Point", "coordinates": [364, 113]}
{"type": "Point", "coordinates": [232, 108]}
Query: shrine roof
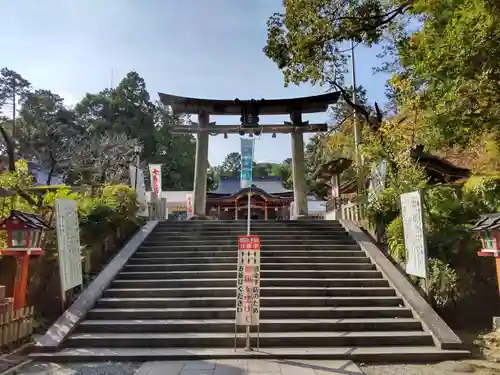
{"type": "Point", "coordinates": [31, 220]}
{"type": "Point", "coordinates": [437, 167]}
{"type": "Point", "coordinates": [270, 185]}
{"type": "Point", "coordinates": [307, 104]}
{"type": "Point", "coordinates": [331, 168]}
{"type": "Point", "coordinates": [487, 222]}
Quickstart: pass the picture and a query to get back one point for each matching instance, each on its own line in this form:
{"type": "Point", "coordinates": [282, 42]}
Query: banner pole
{"type": "Point", "coordinates": [258, 337]}
{"type": "Point", "coordinates": [249, 212]}
{"type": "Point", "coordinates": [235, 334]}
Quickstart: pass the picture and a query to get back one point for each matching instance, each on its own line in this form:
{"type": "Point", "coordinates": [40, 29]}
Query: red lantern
{"type": "Point", "coordinates": [24, 236]}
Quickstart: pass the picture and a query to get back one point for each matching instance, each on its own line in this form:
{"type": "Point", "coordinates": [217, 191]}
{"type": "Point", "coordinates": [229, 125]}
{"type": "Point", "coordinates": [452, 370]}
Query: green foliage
{"type": "Point", "coordinates": [403, 176]}
{"type": "Point", "coordinates": [231, 166]}
{"type": "Point", "coordinates": [454, 268]}
{"type": "Point", "coordinates": [395, 240]}
{"type": "Point", "coordinates": [120, 198]}
{"type": "Point", "coordinates": [484, 192]}
{"type": "Point", "coordinates": [113, 207]}
{"type": "Point", "coordinates": [452, 64]}
{"type": "Point", "coordinates": [442, 283]}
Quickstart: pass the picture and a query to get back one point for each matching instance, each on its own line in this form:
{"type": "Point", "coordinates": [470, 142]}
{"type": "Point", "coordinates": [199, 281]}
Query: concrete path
{"type": "Point", "coordinates": [208, 367]}
{"type": "Point", "coordinates": [250, 367]}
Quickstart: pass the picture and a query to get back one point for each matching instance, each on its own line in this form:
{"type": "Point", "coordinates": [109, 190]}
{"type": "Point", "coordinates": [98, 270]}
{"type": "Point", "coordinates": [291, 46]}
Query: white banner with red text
{"type": "Point", "coordinates": [155, 178]}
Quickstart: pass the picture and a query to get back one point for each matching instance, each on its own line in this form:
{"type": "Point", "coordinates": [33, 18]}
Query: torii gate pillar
{"type": "Point", "coordinates": [201, 166]}
{"type": "Point", "coordinates": [298, 170]}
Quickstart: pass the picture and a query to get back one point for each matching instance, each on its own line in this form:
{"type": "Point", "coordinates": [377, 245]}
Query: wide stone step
{"type": "Point", "coordinates": [209, 246]}
{"type": "Point", "coordinates": [163, 302]}
{"type": "Point", "coordinates": [266, 325]}
{"type": "Point", "coordinates": [323, 225]}
{"type": "Point", "coordinates": [233, 241]}
{"type": "Point", "coordinates": [263, 260]}
{"type": "Point", "coordinates": [335, 236]}
{"type": "Point", "coordinates": [242, 232]}
{"type": "Point", "coordinates": [308, 274]}
{"type": "Point", "coordinates": [254, 221]}
{"type": "Point", "coordinates": [264, 253]}
{"type": "Point", "coordinates": [255, 227]}
{"type": "Point", "coordinates": [264, 292]}
{"type": "Point", "coordinates": [232, 266]}
{"type": "Point", "coordinates": [271, 339]}
{"type": "Point", "coordinates": [374, 354]}
{"type": "Point", "coordinates": [265, 313]}
{"type": "Point", "coordinates": [186, 283]}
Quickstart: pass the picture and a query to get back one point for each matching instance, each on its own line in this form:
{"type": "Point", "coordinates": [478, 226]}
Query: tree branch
{"type": "Point", "coordinates": [10, 149]}
{"type": "Point", "coordinates": [380, 20]}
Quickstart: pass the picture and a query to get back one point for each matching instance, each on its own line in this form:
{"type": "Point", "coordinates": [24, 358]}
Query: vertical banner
{"type": "Point", "coordinates": [155, 176]}
{"type": "Point", "coordinates": [68, 244]}
{"type": "Point", "coordinates": [413, 225]}
{"type": "Point", "coordinates": [189, 205]}
{"type": "Point", "coordinates": [248, 281]}
{"type": "Point", "coordinates": [247, 147]}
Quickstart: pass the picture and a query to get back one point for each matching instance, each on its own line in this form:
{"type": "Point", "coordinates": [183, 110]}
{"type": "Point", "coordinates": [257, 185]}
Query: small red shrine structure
{"type": "Point", "coordinates": [24, 237]}
{"type": "Point", "coordinates": [488, 227]}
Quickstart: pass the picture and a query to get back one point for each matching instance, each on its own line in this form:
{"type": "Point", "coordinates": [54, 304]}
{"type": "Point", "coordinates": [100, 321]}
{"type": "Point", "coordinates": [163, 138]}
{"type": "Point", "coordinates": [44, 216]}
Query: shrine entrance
{"type": "Point", "coordinates": [249, 110]}
{"type": "Point", "coordinates": [263, 206]}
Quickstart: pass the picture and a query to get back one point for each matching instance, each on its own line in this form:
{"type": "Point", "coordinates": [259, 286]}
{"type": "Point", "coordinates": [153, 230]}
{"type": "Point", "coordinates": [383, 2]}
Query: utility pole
{"type": "Point", "coordinates": [357, 127]}
{"type": "Point", "coordinates": [357, 130]}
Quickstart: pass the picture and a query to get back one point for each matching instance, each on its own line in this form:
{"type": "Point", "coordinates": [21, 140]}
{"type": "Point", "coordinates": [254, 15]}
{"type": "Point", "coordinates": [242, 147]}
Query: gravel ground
{"type": "Point", "coordinates": [476, 367]}
{"type": "Point", "coordinates": [79, 369]}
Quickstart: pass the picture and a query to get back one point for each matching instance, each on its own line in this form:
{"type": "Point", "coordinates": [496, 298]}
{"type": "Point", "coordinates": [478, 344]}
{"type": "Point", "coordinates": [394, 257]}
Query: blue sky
{"type": "Point", "coordinates": [199, 48]}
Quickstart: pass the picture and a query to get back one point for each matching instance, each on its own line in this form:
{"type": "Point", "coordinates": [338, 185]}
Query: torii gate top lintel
{"type": "Point", "coordinates": [307, 104]}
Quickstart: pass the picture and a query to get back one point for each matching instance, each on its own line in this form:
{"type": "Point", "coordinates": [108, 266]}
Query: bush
{"type": "Point", "coordinates": [395, 240]}
{"type": "Point", "coordinates": [483, 192]}
{"type": "Point", "coordinates": [442, 283]}
{"type": "Point", "coordinates": [455, 270]}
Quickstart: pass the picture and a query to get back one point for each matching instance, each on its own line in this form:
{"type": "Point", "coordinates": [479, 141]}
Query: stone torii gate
{"type": "Point", "coordinates": [249, 110]}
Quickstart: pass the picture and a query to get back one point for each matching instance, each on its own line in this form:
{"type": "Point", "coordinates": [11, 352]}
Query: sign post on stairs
{"type": "Point", "coordinates": [248, 288]}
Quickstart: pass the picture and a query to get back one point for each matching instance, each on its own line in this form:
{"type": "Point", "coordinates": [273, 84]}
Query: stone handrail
{"type": "Point", "coordinates": [337, 208]}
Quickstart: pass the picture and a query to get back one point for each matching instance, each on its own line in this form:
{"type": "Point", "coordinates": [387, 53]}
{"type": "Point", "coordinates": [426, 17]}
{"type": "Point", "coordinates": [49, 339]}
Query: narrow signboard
{"type": "Point", "coordinates": [68, 244]}
{"type": "Point", "coordinates": [413, 225]}
{"type": "Point", "coordinates": [255, 254]}
{"type": "Point", "coordinates": [248, 283]}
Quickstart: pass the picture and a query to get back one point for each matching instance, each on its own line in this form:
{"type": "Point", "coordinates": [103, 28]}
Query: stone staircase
{"type": "Point", "coordinates": [321, 296]}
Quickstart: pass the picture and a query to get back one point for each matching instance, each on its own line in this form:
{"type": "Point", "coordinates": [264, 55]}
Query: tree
{"type": "Point", "coordinates": [48, 133]}
{"type": "Point", "coordinates": [127, 110]}
{"type": "Point", "coordinates": [231, 166]}
{"type": "Point", "coordinates": [176, 152]}
{"type": "Point", "coordinates": [307, 41]}
{"type": "Point", "coordinates": [450, 71]}
{"type": "Point", "coordinates": [102, 158]}
{"type": "Point", "coordinates": [213, 178]}
{"type": "Point", "coordinates": [12, 88]}
{"type": "Point", "coordinates": [284, 172]}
